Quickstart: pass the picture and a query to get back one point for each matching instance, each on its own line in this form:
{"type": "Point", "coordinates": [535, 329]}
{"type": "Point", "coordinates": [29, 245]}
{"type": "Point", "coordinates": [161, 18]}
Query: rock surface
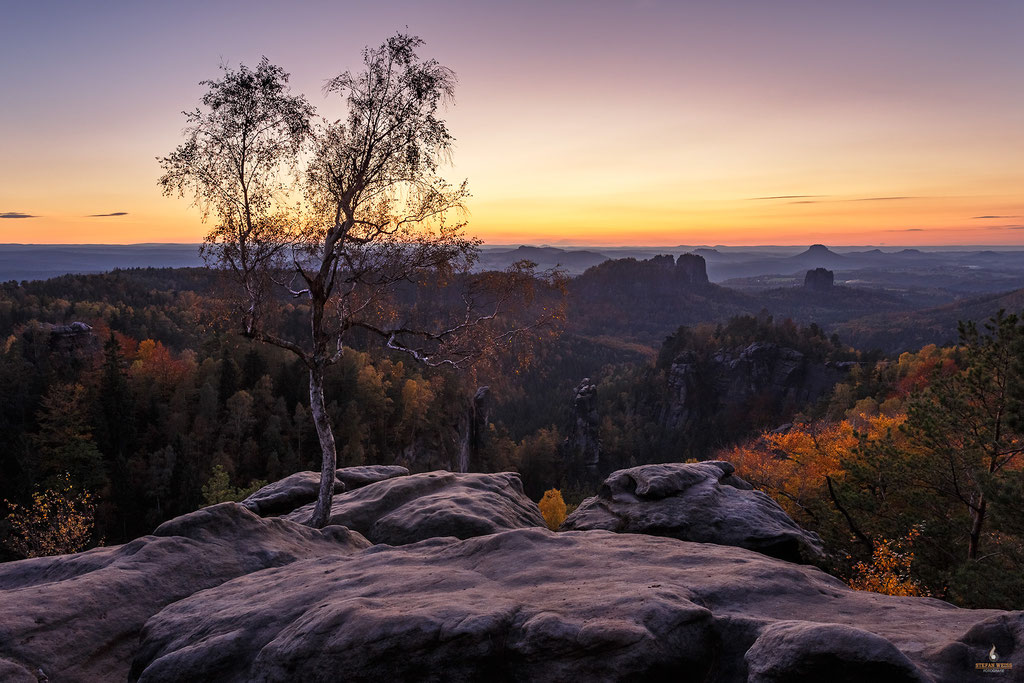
{"type": "Point", "coordinates": [364, 475]}
{"type": "Point", "coordinates": [286, 494]}
{"type": "Point", "coordinates": [701, 502]}
{"type": "Point", "coordinates": [77, 617]}
{"type": "Point", "coordinates": [301, 488]}
{"type": "Point", "coordinates": [531, 605]}
{"type": "Point", "coordinates": [420, 506]}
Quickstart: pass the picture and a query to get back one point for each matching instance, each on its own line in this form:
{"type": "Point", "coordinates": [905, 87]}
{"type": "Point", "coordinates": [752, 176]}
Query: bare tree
{"type": "Point", "coordinates": [348, 217]}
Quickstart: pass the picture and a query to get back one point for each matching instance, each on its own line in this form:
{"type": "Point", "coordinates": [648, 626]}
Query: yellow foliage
{"type": "Point", "coordinates": [792, 467]}
{"type": "Point", "coordinates": [59, 521]}
{"type": "Point", "coordinates": [553, 508]}
{"type": "Point", "coordinates": [889, 569]}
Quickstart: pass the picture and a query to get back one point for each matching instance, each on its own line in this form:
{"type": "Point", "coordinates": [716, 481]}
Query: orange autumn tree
{"type": "Point", "coordinates": [819, 473]}
{"type": "Point", "coordinates": [798, 466]}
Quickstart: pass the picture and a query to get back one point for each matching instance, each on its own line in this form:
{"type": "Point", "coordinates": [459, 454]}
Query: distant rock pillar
{"type": "Point", "coordinates": [474, 428]}
{"type": "Point", "coordinates": [692, 269]}
{"type": "Point", "coordinates": [819, 279]}
{"type": "Point", "coordinates": [582, 445]}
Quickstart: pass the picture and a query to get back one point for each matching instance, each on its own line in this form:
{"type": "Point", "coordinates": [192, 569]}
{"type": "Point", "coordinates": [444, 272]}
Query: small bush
{"type": "Point", "coordinates": [59, 521]}
{"type": "Point", "coordinates": [553, 508]}
{"type": "Point", "coordinates": [889, 571]}
{"type": "Point", "coordinates": [218, 488]}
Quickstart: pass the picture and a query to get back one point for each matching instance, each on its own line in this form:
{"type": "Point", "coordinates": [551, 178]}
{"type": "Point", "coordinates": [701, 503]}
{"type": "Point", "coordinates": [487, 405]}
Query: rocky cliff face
{"type": "Point", "coordinates": [692, 269]}
{"type": "Point", "coordinates": [731, 380]}
{"type": "Point", "coordinates": [223, 594]}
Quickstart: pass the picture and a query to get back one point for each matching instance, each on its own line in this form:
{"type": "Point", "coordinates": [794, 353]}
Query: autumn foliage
{"type": "Point", "coordinates": [925, 453]}
{"type": "Point", "coordinates": [889, 570]}
{"type": "Point", "coordinates": [59, 521]}
{"type": "Point", "coordinates": [553, 508]}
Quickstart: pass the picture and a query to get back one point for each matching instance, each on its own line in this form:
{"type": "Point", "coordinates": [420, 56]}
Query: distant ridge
{"type": "Point", "coordinates": [42, 261]}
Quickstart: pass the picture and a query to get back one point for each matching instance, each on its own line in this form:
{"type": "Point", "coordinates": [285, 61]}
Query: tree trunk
{"type": "Point", "coordinates": [976, 526]}
{"type": "Point", "coordinates": [328, 450]}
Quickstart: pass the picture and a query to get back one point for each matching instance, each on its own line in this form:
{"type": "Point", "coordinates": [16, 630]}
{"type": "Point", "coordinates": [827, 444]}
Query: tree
{"type": "Point", "coordinates": [347, 217]}
{"type": "Point", "coordinates": [64, 445]}
{"type": "Point", "coordinates": [968, 421]}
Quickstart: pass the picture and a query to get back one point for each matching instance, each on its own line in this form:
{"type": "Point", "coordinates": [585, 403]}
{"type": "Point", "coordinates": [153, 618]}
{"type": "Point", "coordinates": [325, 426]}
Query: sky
{"type": "Point", "coordinates": [576, 122]}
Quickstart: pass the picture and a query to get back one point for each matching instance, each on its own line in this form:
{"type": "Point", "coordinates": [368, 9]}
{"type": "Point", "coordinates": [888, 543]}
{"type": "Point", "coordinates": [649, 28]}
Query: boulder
{"type": "Point", "coordinates": [533, 605]}
{"type": "Point", "coordinates": [409, 509]}
{"type": "Point", "coordinates": [301, 488]}
{"type": "Point", "coordinates": [358, 477]}
{"type": "Point", "coordinates": [702, 502]}
{"type": "Point", "coordinates": [801, 651]}
{"type": "Point", "coordinates": [286, 494]}
{"type": "Point", "coordinates": [77, 617]}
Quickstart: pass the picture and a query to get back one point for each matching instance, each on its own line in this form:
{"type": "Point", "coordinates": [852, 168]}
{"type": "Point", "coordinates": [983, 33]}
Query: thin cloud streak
{"type": "Point", "coordinates": [105, 215]}
{"type": "Point", "coordinates": [16, 214]}
{"type": "Point", "coordinates": [858, 199]}
{"type": "Point", "coordinates": [784, 196]}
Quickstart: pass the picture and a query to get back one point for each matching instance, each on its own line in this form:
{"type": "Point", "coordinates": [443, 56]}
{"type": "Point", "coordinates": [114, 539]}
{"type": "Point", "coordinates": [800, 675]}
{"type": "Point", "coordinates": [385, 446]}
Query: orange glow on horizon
{"type": "Point", "coordinates": [869, 123]}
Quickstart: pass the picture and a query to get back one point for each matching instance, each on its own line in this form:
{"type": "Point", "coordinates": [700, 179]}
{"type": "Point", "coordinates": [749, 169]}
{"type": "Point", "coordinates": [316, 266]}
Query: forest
{"type": "Point", "coordinates": [131, 399]}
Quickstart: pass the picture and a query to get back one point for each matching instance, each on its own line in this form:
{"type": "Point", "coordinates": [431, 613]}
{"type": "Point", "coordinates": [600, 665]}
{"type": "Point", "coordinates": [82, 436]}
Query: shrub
{"type": "Point", "coordinates": [553, 508]}
{"type": "Point", "coordinates": [59, 521]}
{"type": "Point", "coordinates": [889, 570]}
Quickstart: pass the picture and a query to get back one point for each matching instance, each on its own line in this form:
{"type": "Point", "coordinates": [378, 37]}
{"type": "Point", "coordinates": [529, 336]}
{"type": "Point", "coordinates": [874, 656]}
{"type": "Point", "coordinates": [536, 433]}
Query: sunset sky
{"type": "Point", "coordinates": [898, 122]}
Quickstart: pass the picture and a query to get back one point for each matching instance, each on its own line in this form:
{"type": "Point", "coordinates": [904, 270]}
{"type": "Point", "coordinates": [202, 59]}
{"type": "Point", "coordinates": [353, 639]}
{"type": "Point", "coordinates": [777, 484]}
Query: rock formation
{"type": "Point", "coordinates": [729, 380]}
{"type": "Point", "coordinates": [224, 595]}
{"type": "Point", "coordinates": [692, 269]}
{"type": "Point", "coordinates": [301, 488]}
{"type": "Point", "coordinates": [364, 475]}
{"type": "Point", "coordinates": [420, 506]}
{"type": "Point", "coordinates": [819, 279]}
{"type": "Point", "coordinates": [78, 617]}
{"type": "Point", "coordinates": [702, 502]}
{"type": "Point", "coordinates": [582, 446]}
{"type": "Point", "coordinates": [532, 605]}
{"type": "Point", "coordinates": [473, 428]}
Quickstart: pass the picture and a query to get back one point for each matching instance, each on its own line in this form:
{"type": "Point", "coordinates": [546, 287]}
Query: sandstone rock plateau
{"type": "Point", "coordinates": [224, 595]}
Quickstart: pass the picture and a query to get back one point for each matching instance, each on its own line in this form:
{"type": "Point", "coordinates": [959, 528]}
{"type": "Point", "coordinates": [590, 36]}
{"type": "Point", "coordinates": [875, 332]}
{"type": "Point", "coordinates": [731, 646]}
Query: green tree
{"type": "Point", "coordinates": [218, 488]}
{"type": "Point", "coordinates": [968, 422]}
{"type": "Point", "coordinates": [115, 419]}
{"type": "Point", "coordinates": [64, 441]}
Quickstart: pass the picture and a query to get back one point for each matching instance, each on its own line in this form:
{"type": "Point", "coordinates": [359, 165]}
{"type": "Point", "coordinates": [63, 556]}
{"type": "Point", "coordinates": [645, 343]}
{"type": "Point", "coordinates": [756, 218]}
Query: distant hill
{"type": "Point", "coordinates": [571, 261]}
{"type": "Point", "coordinates": [645, 300]}
{"type": "Point", "coordinates": [43, 261]}
{"type": "Point", "coordinates": [818, 256]}
{"type": "Point", "coordinates": [909, 330]}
